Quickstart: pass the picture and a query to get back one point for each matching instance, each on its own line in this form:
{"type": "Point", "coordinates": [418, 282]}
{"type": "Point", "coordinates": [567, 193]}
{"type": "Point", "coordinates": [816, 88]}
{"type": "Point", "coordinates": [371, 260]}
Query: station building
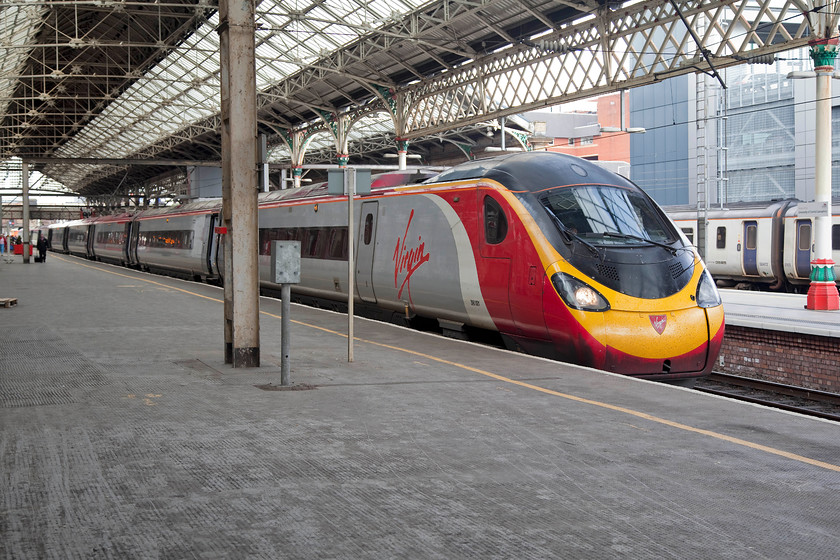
{"type": "Point", "coordinates": [752, 142]}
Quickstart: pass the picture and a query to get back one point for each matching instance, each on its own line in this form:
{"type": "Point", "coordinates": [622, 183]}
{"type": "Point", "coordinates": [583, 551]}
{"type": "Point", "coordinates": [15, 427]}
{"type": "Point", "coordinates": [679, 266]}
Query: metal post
{"type": "Point", "coordinates": [822, 293]}
{"type": "Point", "coordinates": [402, 152]}
{"type": "Point", "coordinates": [239, 163]}
{"type": "Point", "coordinates": [504, 133]}
{"type": "Point", "coordinates": [25, 201]}
{"type": "Point", "coordinates": [264, 182]}
{"type": "Point", "coordinates": [350, 182]}
{"type": "Point", "coordinates": [285, 335]}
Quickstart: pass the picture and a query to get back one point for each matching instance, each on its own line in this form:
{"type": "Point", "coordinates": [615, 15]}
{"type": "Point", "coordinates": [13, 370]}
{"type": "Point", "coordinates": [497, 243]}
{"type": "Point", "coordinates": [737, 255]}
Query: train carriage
{"type": "Point", "coordinates": [78, 238]}
{"type": "Point", "coordinates": [562, 258]}
{"type": "Point", "coordinates": [58, 238]}
{"type": "Point", "coordinates": [109, 238]}
{"type": "Point", "coordinates": [767, 246]}
{"type": "Point", "coordinates": [177, 241]}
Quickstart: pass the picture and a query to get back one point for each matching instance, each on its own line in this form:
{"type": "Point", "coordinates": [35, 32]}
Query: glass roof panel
{"type": "Point", "coordinates": [18, 25]}
{"type": "Point", "coordinates": [184, 88]}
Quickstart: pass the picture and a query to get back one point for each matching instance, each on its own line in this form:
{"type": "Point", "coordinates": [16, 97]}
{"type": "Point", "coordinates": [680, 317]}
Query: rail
{"type": "Point", "coordinates": [786, 397]}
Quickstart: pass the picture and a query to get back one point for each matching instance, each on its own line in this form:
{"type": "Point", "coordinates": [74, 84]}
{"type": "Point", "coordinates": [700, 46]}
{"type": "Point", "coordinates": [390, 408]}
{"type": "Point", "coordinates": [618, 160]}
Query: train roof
{"type": "Point", "coordinates": [533, 171]}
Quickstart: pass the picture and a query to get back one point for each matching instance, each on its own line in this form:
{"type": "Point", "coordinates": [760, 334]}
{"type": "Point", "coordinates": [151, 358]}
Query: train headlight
{"type": "Point", "coordinates": [707, 292]}
{"type": "Point", "coordinates": [578, 294]}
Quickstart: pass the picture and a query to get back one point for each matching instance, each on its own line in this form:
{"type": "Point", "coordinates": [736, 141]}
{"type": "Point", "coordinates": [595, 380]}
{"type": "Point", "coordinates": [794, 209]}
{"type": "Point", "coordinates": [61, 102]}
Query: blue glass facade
{"type": "Point", "coordinates": [659, 157]}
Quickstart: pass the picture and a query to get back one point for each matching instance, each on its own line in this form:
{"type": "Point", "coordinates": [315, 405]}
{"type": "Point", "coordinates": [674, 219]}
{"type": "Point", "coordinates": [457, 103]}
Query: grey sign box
{"type": "Point", "coordinates": [335, 181]}
{"type": "Point", "coordinates": [285, 262]}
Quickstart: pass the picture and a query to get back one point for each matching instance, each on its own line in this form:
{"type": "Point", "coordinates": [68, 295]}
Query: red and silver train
{"type": "Point", "coordinates": [560, 257]}
{"type": "Point", "coordinates": [759, 246]}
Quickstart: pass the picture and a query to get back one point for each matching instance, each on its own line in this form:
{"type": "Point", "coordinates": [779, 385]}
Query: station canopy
{"type": "Point", "coordinates": [119, 79]}
{"type": "Point", "coordinates": [140, 80]}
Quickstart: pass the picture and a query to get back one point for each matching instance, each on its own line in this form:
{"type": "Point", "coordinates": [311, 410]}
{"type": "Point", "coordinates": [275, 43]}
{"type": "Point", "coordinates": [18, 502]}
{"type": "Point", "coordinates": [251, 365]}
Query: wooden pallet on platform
{"type": "Point", "coordinates": [8, 302]}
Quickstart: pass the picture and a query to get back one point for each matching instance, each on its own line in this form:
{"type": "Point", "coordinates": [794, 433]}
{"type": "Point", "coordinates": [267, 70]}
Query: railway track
{"type": "Point", "coordinates": [786, 397]}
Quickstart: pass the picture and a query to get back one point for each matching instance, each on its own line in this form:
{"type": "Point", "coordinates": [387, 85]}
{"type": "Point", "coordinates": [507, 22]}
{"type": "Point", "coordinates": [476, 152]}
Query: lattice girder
{"type": "Point", "coordinates": [646, 43]}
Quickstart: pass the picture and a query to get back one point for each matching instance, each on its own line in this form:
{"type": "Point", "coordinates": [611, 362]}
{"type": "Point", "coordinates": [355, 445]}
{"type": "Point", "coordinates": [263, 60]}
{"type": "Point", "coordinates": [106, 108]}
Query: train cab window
{"type": "Point", "coordinates": [495, 222]}
{"type": "Point", "coordinates": [368, 229]}
{"type": "Point", "coordinates": [689, 233]}
{"type": "Point", "coordinates": [721, 238]}
{"type": "Point", "coordinates": [750, 241]}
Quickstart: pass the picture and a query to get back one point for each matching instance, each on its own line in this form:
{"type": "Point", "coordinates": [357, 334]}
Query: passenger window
{"type": "Point", "coordinates": [338, 244]}
{"type": "Point", "coordinates": [805, 235]}
{"type": "Point", "coordinates": [689, 233]}
{"type": "Point", "coordinates": [368, 228]}
{"type": "Point", "coordinates": [311, 243]}
{"type": "Point", "coordinates": [721, 238]}
{"type": "Point", "coordinates": [751, 237]}
{"type": "Point", "coordinates": [495, 222]}
{"type": "Point", "coordinates": [835, 238]}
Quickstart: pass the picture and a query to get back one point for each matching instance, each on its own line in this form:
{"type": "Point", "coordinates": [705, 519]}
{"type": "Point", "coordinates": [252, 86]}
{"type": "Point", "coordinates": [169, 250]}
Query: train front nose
{"type": "Point", "coordinates": [663, 344]}
{"type": "Point", "coordinates": [669, 338]}
{"type": "Point", "coordinates": [675, 337]}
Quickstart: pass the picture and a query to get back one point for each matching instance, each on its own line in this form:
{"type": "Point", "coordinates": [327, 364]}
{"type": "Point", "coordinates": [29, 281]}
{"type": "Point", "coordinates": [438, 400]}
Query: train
{"type": "Point", "coordinates": [552, 254]}
{"type": "Point", "coordinates": [764, 246]}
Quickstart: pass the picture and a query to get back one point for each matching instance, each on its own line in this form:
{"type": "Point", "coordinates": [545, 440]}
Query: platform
{"type": "Point", "coordinates": [124, 435]}
{"type": "Point", "coordinates": [778, 312]}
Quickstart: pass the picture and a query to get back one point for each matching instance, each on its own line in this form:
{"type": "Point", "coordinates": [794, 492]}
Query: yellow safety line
{"type": "Point", "coordinates": [709, 433]}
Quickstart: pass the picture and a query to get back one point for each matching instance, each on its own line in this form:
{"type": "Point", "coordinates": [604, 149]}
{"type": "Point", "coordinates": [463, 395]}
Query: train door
{"type": "Point", "coordinates": [802, 261]}
{"type": "Point", "coordinates": [365, 249]}
{"type": "Point", "coordinates": [750, 248]}
{"type": "Point", "coordinates": [91, 235]}
{"type": "Point", "coordinates": [496, 248]}
{"type": "Point", "coordinates": [127, 231]}
{"type": "Point", "coordinates": [134, 227]}
{"type": "Point", "coordinates": [211, 245]}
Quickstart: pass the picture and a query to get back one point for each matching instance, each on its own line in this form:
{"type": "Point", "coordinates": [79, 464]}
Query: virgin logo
{"type": "Point", "coordinates": [659, 322]}
{"type": "Point", "coordinates": [408, 259]}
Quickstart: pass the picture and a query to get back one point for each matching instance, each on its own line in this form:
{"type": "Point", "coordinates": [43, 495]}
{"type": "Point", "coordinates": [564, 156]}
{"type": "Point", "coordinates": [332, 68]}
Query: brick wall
{"type": "Point", "coordinates": [802, 360]}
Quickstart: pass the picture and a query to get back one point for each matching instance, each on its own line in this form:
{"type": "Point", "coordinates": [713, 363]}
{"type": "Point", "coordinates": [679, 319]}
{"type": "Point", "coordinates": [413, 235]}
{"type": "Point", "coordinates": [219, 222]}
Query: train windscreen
{"type": "Point", "coordinates": [608, 215]}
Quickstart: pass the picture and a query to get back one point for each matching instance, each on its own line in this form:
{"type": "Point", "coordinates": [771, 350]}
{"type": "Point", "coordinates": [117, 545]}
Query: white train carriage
{"type": "Point", "coordinates": [767, 245]}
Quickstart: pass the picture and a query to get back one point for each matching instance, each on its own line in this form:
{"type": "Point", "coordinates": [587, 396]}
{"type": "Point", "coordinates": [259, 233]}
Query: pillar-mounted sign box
{"type": "Point", "coordinates": [336, 181]}
{"type": "Point", "coordinates": [285, 262]}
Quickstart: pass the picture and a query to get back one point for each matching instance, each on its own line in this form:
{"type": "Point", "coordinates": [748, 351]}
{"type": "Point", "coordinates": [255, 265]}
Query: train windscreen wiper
{"type": "Point", "coordinates": [641, 239]}
{"type": "Point", "coordinates": [569, 235]}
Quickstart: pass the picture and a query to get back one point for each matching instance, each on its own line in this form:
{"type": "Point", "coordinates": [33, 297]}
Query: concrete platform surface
{"type": "Point", "coordinates": [778, 312]}
{"type": "Point", "coordinates": [124, 435]}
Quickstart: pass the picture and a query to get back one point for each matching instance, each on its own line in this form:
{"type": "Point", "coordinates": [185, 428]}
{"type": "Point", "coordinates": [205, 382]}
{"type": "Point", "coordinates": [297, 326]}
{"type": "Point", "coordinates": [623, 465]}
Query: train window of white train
{"type": "Point", "coordinates": [495, 222]}
{"type": "Point", "coordinates": [689, 234]}
{"type": "Point", "coordinates": [721, 238]}
{"type": "Point", "coordinates": [751, 238]}
{"type": "Point", "coordinates": [804, 235]}
{"type": "Point", "coordinates": [835, 237]}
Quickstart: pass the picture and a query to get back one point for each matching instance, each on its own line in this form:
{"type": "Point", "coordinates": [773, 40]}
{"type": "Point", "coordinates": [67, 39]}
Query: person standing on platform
{"type": "Point", "coordinates": [42, 248]}
{"type": "Point", "coordinates": [2, 245]}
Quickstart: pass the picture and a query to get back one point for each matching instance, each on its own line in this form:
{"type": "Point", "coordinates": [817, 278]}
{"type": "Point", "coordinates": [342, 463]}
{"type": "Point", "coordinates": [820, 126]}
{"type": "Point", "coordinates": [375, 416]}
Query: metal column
{"type": "Point", "coordinates": [822, 293]}
{"type": "Point", "coordinates": [239, 176]}
{"type": "Point", "coordinates": [24, 175]}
